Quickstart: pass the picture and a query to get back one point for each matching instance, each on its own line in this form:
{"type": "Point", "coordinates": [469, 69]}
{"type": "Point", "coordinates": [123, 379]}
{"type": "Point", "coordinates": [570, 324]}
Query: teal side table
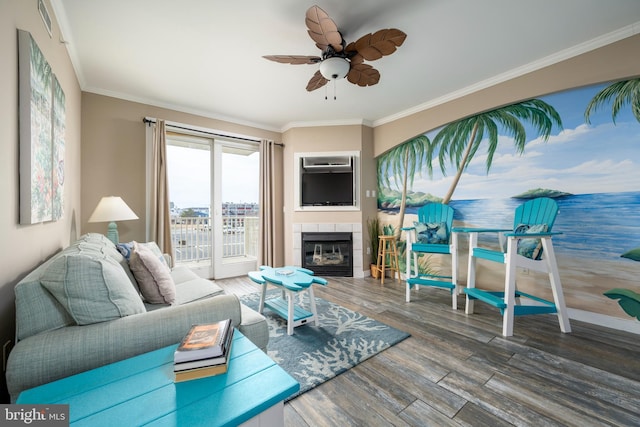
{"type": "Point", "coordinates": [290, 280]}
{"type": "Point", "coordinates": [141, 390]}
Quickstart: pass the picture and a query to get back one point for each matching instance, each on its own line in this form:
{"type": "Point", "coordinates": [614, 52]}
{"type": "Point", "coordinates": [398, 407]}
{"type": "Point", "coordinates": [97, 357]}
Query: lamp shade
{"type": "Point", "coordinates": [112, 208]}
{"type": "Point", "coordinates": [334, 68]}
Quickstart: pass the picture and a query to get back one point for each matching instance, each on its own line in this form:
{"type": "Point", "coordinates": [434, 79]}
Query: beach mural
{"type": "Point", "coordinates": [580, 147]}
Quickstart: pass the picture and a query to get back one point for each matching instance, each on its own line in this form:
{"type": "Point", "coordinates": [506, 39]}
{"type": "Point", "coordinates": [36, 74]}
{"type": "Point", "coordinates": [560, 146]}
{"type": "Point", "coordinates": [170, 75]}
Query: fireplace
{"type": "Point", "coordinates": [328, 254]}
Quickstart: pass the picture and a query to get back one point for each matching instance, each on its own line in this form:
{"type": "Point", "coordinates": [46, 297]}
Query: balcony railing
{"type": "Point", "coordinates": [192, 238]}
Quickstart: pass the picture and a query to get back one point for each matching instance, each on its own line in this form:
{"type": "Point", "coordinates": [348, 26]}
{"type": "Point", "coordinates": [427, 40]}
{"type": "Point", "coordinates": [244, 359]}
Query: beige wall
{"type": "Point", "coordinates": [113, 154]}
{"type": "Point", "coordinates": [26, 246]}
{"type": "Point", "coordinates": [328, 139]}
{"type": "Point", "coordinates": [317, 139]}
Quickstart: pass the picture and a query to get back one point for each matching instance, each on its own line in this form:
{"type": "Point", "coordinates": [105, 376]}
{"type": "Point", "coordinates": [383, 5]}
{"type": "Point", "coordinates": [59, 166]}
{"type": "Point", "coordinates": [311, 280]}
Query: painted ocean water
{"type": "Point", "coordinates": [597, 226]}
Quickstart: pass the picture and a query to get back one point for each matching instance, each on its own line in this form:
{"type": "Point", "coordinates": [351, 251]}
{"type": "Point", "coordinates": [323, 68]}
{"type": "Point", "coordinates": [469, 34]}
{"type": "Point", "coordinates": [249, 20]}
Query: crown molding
{"type": "Point", "coordinates": [563, 55]}
{"type": "Point", "coordinates": [326, 123]}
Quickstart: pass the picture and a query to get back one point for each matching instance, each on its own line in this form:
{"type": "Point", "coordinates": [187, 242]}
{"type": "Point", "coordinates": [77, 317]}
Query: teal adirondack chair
{"type": "Point", "coordinates": [529, 246]}
{"type": "Point", "coordinates": [431, 234]}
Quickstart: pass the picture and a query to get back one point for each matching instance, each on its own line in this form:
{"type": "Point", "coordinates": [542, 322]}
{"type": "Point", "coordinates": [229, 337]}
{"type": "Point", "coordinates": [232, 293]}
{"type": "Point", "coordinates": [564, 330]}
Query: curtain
{"type": "Point", "coordinates": [160, 218]}
{"type": "Point", "coordinates": [267, 244]}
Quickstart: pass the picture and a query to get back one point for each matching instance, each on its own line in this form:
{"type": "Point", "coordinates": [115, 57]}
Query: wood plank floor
{"type": "Point", "coordinates": [459, 370]}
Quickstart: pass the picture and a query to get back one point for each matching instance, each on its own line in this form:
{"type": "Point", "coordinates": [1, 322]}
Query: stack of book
{"type": "Point", "coordinates": [204, 351]}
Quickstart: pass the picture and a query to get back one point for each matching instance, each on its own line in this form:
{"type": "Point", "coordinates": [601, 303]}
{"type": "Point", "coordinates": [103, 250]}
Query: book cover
{"type": "Point", "coordinates": [203, 341]}
{"type": "Point", "coordinates": [184, 366]}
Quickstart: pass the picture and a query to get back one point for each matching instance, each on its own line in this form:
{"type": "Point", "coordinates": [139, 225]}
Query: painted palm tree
{"type": "Point", "coordinates": [620, 93]}
{"type": "Point", "coordinates": [403, 162]}
{"type": "Point", "coordinates": [459, 141]}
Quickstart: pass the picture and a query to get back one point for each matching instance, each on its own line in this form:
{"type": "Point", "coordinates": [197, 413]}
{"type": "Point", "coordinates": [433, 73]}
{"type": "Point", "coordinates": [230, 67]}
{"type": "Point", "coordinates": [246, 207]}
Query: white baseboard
{"type": "Point", "coordinates": [628, 325]}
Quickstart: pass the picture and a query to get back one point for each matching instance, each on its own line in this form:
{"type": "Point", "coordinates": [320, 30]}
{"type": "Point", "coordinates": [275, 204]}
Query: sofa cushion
{"type": "Point", "coordinates": [91, 288]}
{"type": "Point", "coordinates": [254, 325]}
{"type": "Point", "coordinates": [183, 274]}
{"type": "Point", "coordinates": [189, 287]}
{"type": "Point", "coordinates": [196, 289]}
{"type": "Point", "coordinates": [153, 276]}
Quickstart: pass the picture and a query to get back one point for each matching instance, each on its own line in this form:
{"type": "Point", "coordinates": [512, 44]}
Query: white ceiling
{"type": "Point", "coordinates": [205, 56]}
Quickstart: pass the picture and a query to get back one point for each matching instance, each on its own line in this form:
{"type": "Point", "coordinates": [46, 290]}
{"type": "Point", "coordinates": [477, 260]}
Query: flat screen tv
{"type": "Point", "coordinates": [327, 189]}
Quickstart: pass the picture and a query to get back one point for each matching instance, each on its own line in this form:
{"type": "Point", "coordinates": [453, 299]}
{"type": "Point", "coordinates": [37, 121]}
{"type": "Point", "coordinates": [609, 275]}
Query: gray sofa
{"type": "Point", "coordinates": [83, 308]}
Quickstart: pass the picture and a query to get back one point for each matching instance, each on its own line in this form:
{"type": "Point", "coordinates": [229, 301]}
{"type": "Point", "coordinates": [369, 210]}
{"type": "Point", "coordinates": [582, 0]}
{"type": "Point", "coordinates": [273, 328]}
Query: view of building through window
{"type": "Point", "coordinates": [240, 181]}
{"type": "Point", "coordinates": [189, 170]}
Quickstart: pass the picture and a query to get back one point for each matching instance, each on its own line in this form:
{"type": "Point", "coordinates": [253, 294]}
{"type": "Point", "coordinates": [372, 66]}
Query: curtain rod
{"type": "Point", "coordinates": [149, 121]}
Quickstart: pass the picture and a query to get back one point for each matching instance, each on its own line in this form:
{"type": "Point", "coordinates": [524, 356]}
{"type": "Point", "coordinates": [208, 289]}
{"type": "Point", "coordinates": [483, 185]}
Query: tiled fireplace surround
{"type": "Point", "coordinates": [355, 229]}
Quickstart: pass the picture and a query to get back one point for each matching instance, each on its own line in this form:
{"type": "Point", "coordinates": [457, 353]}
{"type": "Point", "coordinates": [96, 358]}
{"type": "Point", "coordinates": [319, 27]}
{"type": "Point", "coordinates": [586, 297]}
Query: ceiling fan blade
{"type": "Point", "coordinates": [363, 75]}
{"type": "Point", "coordinates": [354, 56]}
{"type": "Point", "coordinates": [323, 30]}
{"type": "Point", "coordinates": [381, 43]}
{"type": "Point", "coordinates": [316, 82]}
{"type": "Point", "coordinates": [293, 59]}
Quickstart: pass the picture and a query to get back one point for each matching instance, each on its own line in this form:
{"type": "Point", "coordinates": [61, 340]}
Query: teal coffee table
{"type": "Point", "coordinates": [291, 280]}
{"type": "Point", "coordinates": [141, 391]}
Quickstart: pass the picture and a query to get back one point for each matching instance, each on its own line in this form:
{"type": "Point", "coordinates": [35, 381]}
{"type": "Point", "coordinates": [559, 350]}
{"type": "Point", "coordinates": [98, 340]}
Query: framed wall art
{"type": "Point", "coordinates": [42, 127]}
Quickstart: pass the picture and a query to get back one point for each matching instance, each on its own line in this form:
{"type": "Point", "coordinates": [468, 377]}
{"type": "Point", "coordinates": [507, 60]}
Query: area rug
{"type": "Point", "coordinates": [315, 354]}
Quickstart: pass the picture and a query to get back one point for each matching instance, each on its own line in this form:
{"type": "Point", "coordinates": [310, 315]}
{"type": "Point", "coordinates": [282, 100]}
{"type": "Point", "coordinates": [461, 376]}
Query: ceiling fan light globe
{"type": "Point", "coordinates": [334, 68]}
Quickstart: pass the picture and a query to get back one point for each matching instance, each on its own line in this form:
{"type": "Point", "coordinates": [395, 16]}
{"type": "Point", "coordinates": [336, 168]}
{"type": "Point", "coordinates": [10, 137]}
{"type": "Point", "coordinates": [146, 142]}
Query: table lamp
{"type": "Point", "coordinates": [112, 209]}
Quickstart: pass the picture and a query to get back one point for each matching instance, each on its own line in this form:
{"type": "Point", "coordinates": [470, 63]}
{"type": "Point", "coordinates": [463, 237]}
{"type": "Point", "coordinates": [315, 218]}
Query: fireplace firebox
{"type": "Point", "coordinates": [328, 254]}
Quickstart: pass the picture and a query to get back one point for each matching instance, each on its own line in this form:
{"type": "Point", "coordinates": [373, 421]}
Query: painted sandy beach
{"type": "Point", "coordinates": [583, 281]}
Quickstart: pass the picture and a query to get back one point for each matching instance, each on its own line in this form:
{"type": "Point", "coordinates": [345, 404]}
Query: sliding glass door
{"type": "Point", "coordinates": [235, 197]}
{"type": "Point", "coordinates": [189, 169]}
{"type": "Point", "coordinates": [213, 186]}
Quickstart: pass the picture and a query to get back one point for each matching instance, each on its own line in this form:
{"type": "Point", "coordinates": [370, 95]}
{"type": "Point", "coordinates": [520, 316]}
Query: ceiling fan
{"type": "Point", "coordinates": [339, 59]}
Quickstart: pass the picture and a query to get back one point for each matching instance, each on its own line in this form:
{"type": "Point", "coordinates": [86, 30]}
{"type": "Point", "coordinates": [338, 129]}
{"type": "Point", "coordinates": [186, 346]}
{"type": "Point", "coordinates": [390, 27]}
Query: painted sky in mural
{"type": "Point", "coordinates": [600, 157]}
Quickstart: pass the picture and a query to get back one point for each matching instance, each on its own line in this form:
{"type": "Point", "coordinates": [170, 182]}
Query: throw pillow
{"type": "Point", "coordinates": [156, 250]}
{"type": "Point", "coordinates": [94, 247]}
{"type": "Point", "coordinates": [127, 248]}
{"type": "Point", "coordinates": [92, 289]}
{"type": "Point", "coordinates": [431, 233]}
{"type": "Point", "coordinates": [153, 277]}
{"type": "Point", "coordinates": [530, 248]}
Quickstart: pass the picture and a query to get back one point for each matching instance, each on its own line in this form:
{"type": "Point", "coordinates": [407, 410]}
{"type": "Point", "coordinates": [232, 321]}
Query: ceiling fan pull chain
{"type": "Point", "coordinates": [334, 90]}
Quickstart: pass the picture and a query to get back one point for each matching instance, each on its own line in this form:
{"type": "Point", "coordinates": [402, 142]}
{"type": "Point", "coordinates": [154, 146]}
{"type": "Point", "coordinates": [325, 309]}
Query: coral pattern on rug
{"type": "Point", "coordinates": [317, 353]}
